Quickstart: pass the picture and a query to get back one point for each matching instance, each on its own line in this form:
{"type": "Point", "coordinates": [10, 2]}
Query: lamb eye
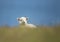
{"type": "Point", "coordinates": [20, 19]}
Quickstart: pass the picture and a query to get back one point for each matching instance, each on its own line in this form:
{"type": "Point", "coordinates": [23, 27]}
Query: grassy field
{"type": "Point", "coordinates": [22, 34]}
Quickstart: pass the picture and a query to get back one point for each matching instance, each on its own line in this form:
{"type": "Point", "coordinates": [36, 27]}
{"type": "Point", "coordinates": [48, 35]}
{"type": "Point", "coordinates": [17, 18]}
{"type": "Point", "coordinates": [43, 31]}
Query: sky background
{"type": "Point", "coordinates": [40, 12]}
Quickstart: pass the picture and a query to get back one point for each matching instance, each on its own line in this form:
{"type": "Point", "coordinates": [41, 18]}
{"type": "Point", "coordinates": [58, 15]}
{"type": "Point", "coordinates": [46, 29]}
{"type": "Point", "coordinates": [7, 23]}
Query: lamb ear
{"type": "Point", "coordinates": [18, 18]}
{"type": "Point", "coordinates": [26, 18]}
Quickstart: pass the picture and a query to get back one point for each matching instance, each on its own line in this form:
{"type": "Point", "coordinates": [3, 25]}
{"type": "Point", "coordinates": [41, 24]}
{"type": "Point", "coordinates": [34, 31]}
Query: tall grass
{"type": "Point", "coordinates": [23, 34]}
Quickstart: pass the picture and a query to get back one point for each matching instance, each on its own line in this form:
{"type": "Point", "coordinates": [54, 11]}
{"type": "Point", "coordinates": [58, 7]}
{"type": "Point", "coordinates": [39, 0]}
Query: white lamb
{"type": "Point", "coordinates": [23, 20]}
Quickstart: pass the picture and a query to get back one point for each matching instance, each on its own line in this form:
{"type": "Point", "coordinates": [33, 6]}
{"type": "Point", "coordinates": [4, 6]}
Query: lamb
{"type": "Point", "coordinates": [23, 20]}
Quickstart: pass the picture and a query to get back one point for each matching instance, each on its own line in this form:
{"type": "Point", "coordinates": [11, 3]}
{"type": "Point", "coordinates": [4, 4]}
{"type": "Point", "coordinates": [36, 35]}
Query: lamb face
{"type": "Point", "coordinates": [22, 20]}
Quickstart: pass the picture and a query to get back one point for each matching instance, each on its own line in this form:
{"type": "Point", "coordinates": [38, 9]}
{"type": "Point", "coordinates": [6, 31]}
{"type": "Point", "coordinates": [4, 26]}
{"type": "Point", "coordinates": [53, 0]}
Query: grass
{"type": "Point", "coordinates": [23, 34]}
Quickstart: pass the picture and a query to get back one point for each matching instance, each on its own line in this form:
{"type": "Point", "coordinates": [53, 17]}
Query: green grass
{"type": "Point", "coordinates": [23, 34]}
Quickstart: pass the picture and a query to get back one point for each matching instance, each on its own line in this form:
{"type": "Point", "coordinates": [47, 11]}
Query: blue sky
{"type": "Point", "coordinates": [40, 12]}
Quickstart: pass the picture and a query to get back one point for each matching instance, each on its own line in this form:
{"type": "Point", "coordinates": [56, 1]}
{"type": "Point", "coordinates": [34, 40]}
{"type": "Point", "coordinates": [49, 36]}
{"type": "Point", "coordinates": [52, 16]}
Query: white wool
{"type": "Point", "coordinates": [30, 25]}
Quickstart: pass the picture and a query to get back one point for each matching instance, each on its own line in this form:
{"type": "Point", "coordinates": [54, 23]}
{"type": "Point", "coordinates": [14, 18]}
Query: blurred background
{"type": "Point", "coordinates": [43, 13]}
{"type": "Point", "coordinates": [40, 12]}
